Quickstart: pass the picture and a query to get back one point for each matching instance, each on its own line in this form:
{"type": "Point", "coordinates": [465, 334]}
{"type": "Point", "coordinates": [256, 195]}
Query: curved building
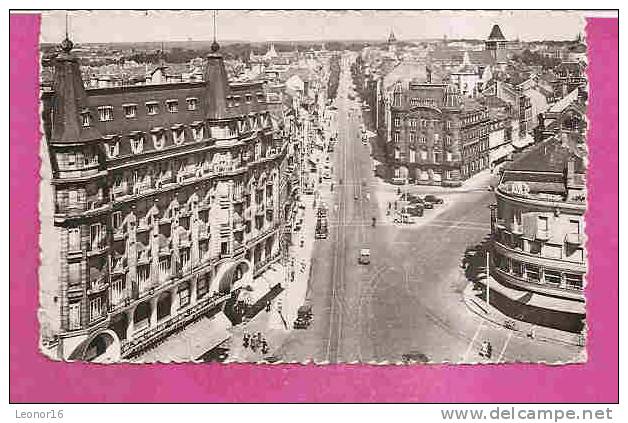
{"type": "Point", "coordinates": [539, 258]}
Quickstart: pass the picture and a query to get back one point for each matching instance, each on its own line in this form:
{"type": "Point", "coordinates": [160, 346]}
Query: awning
{"type": "Point", "coordinates": [501, 152]}
{"type": "Point", "coordinates": [523, 142]}
{"type": "Point", "coordinates": [192, 342]}
{"type": "Point", "coordinates": [535, 299]}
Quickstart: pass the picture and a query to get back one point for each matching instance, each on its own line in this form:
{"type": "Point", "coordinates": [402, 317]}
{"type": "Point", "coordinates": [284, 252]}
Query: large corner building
{"type": "Point", "coordinates": [168, 201]}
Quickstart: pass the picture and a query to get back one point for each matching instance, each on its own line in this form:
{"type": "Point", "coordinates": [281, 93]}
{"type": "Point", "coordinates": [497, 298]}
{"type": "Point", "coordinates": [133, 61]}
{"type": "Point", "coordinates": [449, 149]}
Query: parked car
{"type": "Point", "coordinates": [398, 181]}
{"type": "Point", "coordinates": [415, 210]}
{"type": "Point", "coordinates": [433, 199]}
{"type": "Point", "coordinates": [365, 256]}
{"type": "Point", "coordinates": [415, 357]}
{"type": "Point", "coordinates": [416, 200]}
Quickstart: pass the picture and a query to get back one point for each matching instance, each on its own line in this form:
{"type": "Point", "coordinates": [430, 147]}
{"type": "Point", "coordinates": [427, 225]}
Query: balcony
{"type": "Point", "coordinates": [118, 267]}
{"type": "Point", "coordinates": [574, 239]}
{"type": "Point", "coordinates": [143, 225]}
{"type": "Point", "coordinates": [98, 285]}
{"type": "Point", "coordinates": [223, 133]}
{"type": "Point", "coordinates": [118, 234]}
{"type": "Point", "coordinates": [186, 174]}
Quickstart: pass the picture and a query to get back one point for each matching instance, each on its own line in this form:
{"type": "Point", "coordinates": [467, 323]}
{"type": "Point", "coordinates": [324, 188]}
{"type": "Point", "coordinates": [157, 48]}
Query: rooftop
{"type": "Point", "coordinates": [496, 34]}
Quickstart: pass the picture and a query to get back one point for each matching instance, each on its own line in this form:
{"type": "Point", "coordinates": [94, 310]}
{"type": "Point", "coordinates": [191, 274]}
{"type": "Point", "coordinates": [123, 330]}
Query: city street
{"type": "Point", "coordinates": [409, 298]}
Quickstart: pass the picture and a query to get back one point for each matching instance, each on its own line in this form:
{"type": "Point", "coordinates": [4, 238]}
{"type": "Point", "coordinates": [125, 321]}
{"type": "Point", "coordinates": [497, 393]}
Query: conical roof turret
{"type": "Point", "coordinates": [69, 100]}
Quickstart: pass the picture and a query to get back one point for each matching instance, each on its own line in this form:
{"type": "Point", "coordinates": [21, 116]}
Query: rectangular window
{"type": "Point", "coordinates": [74, 316]}
{"type": "Point", "coordinates": [152, 108]}
{"type": "Point", "coordinates": [95, 309]}
{"type": "Point", "coordinates": [412, 156]}
{"type": "Point", "coordinates": [86, 119]}
{"type": "Point", "coordinates": [172, 105]}
{"type": "Point", "coordinates": [184, 296]}
{"type": "Point", "coordinates": [397, 122]}
{"type": "Point", "coordinates": [533, 273]}
{"type": "Point", "coordinates": [74, 235]}
{"type": "Point", "coordinates": [248, 98]}
{"type": "Point", "coordinates": [73, 198]}
{"type": "Point", "coordinates": [202, 287]}
{"type": "Point", "coordinates": [105, 113]}
{"type": "Point", "coordinates": [423, 154]}
{"type": "Point", "coordinates": [449, 156]}
{"type": "Point", "coordinates": [130, 110]}
{"type": "Point", "coordinates": [413, 123]}
{"type": "Point", "coordinates": [396, 137]}
{"type": "Point", "coordinates": [137, 144]}
{"type": "Point", "coordinates": [116, 220]}
{"type": "Point", "coordinates": [224, 248]}
{"type": "Point", "coordinates": [517, 268]}
{"type": "Point", "coordinates": [543, 223]}
{"type": "Point", "coordinates": [95, 236]}
{"type": "Point", "coordinates": [74, 274]}
{"type": "Point", "coordinates": [573, 281]}
{"type": "Point", "coordinates": [192, 103]}
{"type": "Point", "coordinates": [552, 277]}
{"type": "Point", "coordinates": [422, 139]}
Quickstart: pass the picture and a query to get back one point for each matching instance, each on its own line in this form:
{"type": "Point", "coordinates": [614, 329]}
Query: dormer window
{"type": "Point", "coordinates": [137, 142]}
{"type": "Point", "coordinates": [86, 119]}
{"type": "Point", "coordinates": [152, 108]}
{"type": "Point", "coordinates": [159, 138]}
{"type": "Point", "coordinates": [172, 105]}
{"type": "Point", "coordinates": [248, 98]}
{"type": "Point", "coordinates": [112, 146]}
{"type": "Point", "coordinates": [197, 131]}
{"type": "Point", "coordinates": [178, 134]}
{"type": "Point", "coordinates": [236, 100]}
{"type": "Point", "coordinates": [130, 110]}
{"type": "Point", "coordinates": [192, 103]}
{"type": "Point", "coordinates": [105, 113]}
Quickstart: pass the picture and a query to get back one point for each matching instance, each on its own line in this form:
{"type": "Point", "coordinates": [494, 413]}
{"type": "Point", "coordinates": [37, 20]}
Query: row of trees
{"type": "Point", "coordinates": [334, 77]}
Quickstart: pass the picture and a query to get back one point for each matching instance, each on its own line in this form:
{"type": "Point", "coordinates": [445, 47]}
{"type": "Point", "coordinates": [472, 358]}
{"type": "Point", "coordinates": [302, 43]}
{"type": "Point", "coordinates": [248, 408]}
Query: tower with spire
{"type": "Point", "coordinates": [392, 42]}
{"type": "Point", "coordinates": [495, 41]}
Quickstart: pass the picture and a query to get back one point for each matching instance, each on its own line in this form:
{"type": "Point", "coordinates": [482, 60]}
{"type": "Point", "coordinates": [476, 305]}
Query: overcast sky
{"type": "Point", "coordinates": [122, 26]}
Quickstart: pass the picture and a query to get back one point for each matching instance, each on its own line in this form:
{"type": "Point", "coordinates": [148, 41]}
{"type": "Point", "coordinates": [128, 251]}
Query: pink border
{"type": "Point", "coordinates": [35, 379]}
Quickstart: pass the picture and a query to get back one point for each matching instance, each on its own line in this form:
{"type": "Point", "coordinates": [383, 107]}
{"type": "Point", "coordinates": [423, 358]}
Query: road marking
{"type": "Point", "coordinates": [505, 345]}
{"type": "Point", "coordinates": [477, 332]}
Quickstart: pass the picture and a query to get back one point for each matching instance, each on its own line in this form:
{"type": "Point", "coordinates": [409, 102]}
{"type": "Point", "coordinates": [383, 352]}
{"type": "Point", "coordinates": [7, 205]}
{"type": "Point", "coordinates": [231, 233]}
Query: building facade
{"type": "Point", "coordinates": [539, 259]}
{"type": "Point", "coordinates": [169, 199]}
{"type": "Point", "coordinates": [423, 122]}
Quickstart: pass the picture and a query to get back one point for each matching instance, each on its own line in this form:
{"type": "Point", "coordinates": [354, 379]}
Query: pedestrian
{"type": "Point", "coordinates": [245, 340]}
{"type": "Point", "coordinates": [395, 204]}
{"type": "Point", "coordinates": [398, 191]}
{"type": "Point", "coordinates": [268, 306]}
{"type": "Point", "coordinates": [389, 205]}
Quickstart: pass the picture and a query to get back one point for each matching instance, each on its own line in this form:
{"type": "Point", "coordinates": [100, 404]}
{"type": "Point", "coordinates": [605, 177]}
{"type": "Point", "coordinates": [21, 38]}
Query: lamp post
{"type": "Point", "coordinates": [493, 208]}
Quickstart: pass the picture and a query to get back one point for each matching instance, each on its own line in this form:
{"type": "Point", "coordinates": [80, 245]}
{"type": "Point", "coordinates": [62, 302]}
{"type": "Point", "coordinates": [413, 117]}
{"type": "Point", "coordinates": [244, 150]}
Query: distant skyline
{"type": "Point", "coordinates": [267, 25]}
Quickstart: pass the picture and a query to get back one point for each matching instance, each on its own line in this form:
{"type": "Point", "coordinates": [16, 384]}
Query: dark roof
{"type": "Point", "coordinates": [496, 34]}
{"type": "Point", "coordinates": [547, 156]}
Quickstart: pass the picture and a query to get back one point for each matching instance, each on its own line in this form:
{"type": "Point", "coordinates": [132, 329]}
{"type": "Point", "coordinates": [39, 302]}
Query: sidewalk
{"type": "Point", "coordinates": [479, 306]}
{"type": "Point", "coordinates": [276, 325]}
